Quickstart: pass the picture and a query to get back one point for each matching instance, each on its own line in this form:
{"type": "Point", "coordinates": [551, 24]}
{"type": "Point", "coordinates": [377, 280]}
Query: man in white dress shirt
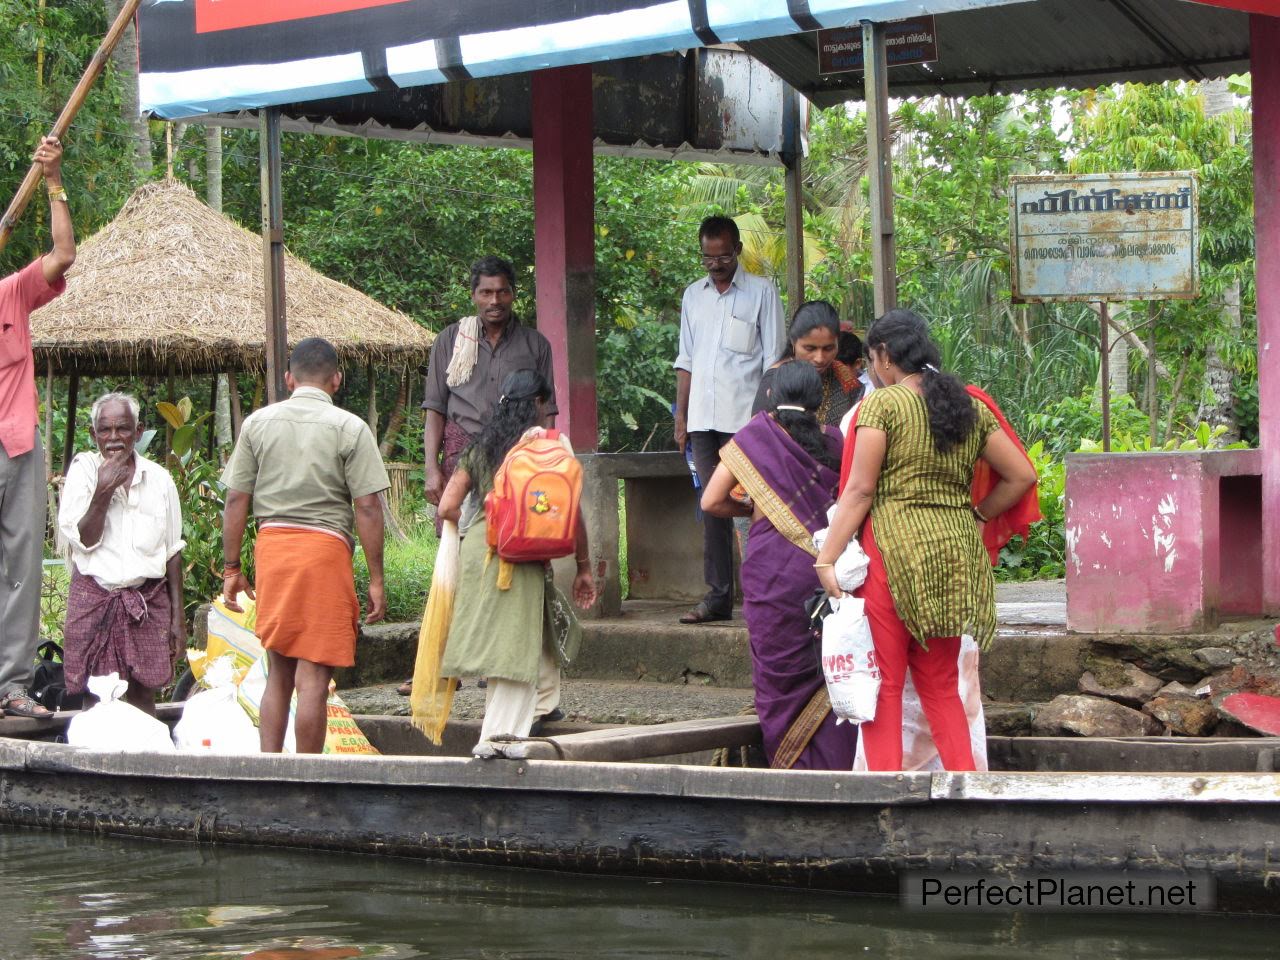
{"type": "Point", "coordinates": [122, 522]}
{"type": "Point", "coordinates": [731, 332]}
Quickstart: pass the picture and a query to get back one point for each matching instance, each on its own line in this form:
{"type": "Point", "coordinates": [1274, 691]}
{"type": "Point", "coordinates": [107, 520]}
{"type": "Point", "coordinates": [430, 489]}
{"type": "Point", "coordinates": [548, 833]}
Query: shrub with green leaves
{"type": "Point", "coordinates": [407, 568]}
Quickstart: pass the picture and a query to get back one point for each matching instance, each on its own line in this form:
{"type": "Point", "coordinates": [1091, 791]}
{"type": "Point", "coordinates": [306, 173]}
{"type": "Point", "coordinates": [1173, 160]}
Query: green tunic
{"type": "Point", "coordinates": [938, 570]}
{"type": "Point", "coordinates": [500, 633]}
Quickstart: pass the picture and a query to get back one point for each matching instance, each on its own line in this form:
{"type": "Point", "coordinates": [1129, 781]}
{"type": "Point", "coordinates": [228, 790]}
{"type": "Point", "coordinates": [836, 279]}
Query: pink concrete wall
{"type": "Point", "coordinates": [1153, 546]}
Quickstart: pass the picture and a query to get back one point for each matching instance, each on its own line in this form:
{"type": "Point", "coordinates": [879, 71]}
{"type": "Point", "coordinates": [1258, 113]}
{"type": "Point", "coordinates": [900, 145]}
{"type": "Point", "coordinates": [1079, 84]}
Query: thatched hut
{"type": "Point", "coordinates": [170, 286]}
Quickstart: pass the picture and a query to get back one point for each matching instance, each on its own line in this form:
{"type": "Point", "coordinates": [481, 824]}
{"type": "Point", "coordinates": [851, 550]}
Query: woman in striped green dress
{"type": "Point", "coordinates": [908, 492]}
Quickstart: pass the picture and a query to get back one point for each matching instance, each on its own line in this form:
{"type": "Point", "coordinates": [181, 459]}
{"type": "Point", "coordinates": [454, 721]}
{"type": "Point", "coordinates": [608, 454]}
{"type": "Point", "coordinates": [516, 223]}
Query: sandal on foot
{"type": "Point", "coordinates": [405, 689]}
{"type": "Point", "coordinates": [19, 703]}
{"type": "Point", "coordinates": [702, 614]}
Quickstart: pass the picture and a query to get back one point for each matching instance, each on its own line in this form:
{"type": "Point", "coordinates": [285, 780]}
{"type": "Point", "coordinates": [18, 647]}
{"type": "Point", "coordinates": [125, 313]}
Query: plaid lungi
{"type": "Point", "coordinates": [117, 631]}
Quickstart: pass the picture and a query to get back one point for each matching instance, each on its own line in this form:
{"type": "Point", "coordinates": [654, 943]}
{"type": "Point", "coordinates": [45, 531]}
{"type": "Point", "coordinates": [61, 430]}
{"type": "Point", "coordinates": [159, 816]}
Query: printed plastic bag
{"type": "Point", "coordinates": [342, 736]}
{"type": "Point", "coordinates": [849, 661]}
{"type": "Point", "coordinates": [111, 724]}
{"type": "Point", "coordinates": [229, 633]}
{"type": "Point", "coordinates": [213, 720]}
{"type": "Point", "coordinates": [851, 566]}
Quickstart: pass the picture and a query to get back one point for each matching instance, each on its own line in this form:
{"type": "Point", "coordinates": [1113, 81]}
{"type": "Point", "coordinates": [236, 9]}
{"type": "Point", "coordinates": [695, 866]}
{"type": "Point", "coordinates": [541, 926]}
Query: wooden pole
{"type": "Point", "coordinates": [48, 421]}
{"type": "Point", "coordinates": [373, 401]}
{"type": "Point", "coordinates": [1104, 342]}
{"type": "Point", "coordinates": [273, 252]}
{"type": "Point", "coordinates": [793, 161]}
{"type": "Point", "coordinates": [213, 406]}
{"type": "Point", "coordinates": [69, 437]}
{"type": "Point", "coordinates": [237, 417]}
{"type": "Point", "coordinates": [880, 168]}
{"type": "Point", "coordinates": [32, 180]}
{"type": "Point", "coordinates": [168, 428]}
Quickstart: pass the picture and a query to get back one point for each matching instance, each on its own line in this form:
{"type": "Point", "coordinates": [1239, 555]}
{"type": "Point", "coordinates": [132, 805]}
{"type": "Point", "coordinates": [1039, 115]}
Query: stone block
{"type": "Point", "coordinates": [1215, 658]}
{"type": "Point", "coordinates": [384, 652]}
{"type": "Point", "coordinates": [1024, 666]}
{"type": "Point", "coordinates": [1122, 682]}
{"type": "Point", "coordinates": [1182, 717]}
{"type": "Point", "coordinates": [1073, 714]}
{"type": "Point", "coordinates": [1176, 690]}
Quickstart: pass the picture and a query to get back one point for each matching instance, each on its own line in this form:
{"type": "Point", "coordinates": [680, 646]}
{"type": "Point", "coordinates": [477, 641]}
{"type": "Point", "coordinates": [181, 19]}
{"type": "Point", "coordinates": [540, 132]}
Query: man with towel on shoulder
{"type": "Point", "coordinates": [303, 463]}
{"type": "Point", "coordinates": [469, 361]}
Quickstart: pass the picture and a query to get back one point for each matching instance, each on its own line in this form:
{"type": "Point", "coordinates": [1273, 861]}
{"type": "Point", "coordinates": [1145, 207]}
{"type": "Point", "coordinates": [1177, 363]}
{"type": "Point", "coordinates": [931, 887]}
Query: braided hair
{"type": "Point", "coordinates": [798, 384]}
{"type": "Point", "coordinates": [516, 412]}
{"type": "Point", "coordinates": [904, 336]}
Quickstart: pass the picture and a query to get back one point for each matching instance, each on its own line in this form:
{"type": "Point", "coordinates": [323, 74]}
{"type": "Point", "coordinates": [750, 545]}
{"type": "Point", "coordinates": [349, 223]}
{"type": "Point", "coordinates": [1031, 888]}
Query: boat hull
{"type": "Point", "coordinates": [834, 831]}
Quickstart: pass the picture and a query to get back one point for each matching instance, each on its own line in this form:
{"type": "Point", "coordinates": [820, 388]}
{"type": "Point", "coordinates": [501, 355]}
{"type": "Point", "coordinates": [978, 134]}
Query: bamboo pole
{"type": "Point", "coordinates": [69, 435]}
{"type": "Point", "coordinates": [32, 180]}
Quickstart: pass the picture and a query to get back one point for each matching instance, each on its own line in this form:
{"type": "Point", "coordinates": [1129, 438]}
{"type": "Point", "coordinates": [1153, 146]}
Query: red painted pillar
{"type": "Point", "coordinates": [1264, 42]}
{"type": "Point", "coordinates": [564, 242]}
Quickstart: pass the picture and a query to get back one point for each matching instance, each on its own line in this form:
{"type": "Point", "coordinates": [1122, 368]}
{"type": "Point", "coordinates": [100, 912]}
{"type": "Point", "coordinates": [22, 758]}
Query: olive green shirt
{"type": "Point", "coordinates": [305, 461]}
{"type": "Point", "coordinates": [939, 572]}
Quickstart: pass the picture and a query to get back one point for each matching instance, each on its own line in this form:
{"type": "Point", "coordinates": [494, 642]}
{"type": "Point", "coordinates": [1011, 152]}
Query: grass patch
{"type": "Point", "coordinates": [407, 568]}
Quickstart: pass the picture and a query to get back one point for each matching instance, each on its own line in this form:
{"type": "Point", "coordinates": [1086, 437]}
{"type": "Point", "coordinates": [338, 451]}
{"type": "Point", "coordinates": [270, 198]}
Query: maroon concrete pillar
{"type": "Point", "coordinates": [564, 242]}
{"type": "Point", "coordinates": [1264, 42]}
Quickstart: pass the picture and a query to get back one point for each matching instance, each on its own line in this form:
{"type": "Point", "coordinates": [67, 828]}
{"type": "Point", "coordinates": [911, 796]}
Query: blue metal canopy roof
{"type": "Point", "coordinates": [208, 56]}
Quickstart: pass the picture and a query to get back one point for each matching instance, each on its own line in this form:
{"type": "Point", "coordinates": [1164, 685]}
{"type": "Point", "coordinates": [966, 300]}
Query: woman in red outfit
{"type": "Point", "coordinates": [919, 440]}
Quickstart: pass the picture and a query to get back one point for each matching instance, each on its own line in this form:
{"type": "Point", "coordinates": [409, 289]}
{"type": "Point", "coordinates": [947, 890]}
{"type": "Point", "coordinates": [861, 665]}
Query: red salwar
{"type": "Point", "coordinates": [934, 672]}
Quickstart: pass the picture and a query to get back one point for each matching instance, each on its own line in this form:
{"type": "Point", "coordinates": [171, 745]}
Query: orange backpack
{"type": "Point", "coordinates": [532, 511]}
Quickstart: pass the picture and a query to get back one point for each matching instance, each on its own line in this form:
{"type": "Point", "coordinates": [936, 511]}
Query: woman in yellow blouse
{"type": "Point", "coordinates": [908, 491]}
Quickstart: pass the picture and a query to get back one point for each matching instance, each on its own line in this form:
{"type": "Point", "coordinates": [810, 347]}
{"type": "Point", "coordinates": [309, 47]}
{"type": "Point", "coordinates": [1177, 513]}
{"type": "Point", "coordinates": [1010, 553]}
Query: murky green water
{"type": "Point", "coordinates": [74, 897]}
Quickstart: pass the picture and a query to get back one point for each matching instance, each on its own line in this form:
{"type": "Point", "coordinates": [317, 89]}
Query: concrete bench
{"type": "Point", "coordinates": [1163, 542]}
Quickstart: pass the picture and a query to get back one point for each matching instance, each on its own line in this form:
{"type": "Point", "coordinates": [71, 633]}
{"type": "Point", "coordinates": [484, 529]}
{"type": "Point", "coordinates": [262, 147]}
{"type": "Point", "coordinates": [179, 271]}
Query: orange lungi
{"type": "Point", "coordinates": [307, 607]}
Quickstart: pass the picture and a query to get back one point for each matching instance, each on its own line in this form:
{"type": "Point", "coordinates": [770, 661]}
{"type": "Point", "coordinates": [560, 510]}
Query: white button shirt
{"type": "Point", "coordinates": [143, 528]}
{"type": "Point", "coordinates": [727, 341]}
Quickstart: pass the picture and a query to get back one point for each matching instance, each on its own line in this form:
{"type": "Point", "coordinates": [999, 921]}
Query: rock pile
{"type": "Point", "coordinates": [1145, 686]}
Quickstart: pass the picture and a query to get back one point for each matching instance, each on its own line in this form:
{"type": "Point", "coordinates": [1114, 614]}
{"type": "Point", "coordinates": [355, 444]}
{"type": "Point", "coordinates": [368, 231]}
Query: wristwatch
{"type": "Point", "coordinates": [57, 193]}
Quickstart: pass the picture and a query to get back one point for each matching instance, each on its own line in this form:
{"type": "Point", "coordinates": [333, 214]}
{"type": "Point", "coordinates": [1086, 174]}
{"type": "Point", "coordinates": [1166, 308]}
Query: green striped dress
{"type": "Point", "coordinates": [938, 570]}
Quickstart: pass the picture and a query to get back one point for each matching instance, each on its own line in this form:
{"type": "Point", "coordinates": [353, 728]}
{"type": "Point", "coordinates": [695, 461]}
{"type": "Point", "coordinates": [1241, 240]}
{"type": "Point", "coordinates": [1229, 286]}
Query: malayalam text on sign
{"type": "Point", "coordinates": [1115, 236]}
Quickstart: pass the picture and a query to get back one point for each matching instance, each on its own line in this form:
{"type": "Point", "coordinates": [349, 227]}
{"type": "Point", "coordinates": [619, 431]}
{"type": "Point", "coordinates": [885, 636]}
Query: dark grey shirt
{"type": "Point", "coordinates": [470, 404]}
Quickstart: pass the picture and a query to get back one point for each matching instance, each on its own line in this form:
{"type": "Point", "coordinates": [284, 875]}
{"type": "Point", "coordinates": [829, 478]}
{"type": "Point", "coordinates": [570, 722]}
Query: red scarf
{"type": "Point", "coordinates": [996, 532]}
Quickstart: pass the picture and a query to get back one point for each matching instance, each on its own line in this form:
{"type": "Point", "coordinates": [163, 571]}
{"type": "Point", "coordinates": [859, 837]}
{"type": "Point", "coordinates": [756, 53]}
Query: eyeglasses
{"type": "Point", "coordinates": [723, 261]}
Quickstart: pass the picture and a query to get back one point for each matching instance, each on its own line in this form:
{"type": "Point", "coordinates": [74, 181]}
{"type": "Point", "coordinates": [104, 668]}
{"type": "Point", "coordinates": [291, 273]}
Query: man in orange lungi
{"type": "Point", "coordinates": [304, 463]}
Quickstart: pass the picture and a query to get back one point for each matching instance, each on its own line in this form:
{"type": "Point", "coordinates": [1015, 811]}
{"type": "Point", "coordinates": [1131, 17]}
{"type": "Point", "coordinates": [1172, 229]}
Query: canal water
{"type": "Point", "coordinates": [67, 896]}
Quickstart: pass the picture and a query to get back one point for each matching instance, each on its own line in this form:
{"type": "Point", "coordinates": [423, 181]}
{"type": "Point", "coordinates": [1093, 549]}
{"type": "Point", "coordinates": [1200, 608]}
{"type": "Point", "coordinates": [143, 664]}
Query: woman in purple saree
{"type": "Point", "coordinates": [788, 467]}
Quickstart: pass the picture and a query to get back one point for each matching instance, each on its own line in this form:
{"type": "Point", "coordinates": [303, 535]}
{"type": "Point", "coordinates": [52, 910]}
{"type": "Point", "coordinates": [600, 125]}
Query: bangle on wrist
{"type": "Point", "coordinates": [822, 566]}
{"type": "Point", "coordinates": [232, 565]}
{"type": "Point", "coordinates": [583, 561]}
{"type": "Point", "coordinates": [979, 515]}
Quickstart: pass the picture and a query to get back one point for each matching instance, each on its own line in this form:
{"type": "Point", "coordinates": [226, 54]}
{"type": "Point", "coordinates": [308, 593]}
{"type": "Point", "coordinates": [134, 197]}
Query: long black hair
{"type": "Point", "coordinates": [516, 412]}
{"type": "Point", "coordinates": [798, 384]}
{"type": "Point", "coordinates": [904, 336]}
{"type": "Point", "coordinates": [810, 316]}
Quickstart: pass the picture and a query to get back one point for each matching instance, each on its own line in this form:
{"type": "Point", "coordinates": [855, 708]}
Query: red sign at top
{"type": "Point", "coordinates": [213, 15]}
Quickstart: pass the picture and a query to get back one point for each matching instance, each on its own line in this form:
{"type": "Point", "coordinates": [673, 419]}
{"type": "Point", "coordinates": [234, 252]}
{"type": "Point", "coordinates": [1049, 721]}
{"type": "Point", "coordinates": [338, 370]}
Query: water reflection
{"type": "Point", "coordinates": [75, 897]}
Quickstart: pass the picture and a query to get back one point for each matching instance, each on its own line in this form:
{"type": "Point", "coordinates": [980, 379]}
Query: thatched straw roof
{"type": "Point", "coordinates": [171, 282]}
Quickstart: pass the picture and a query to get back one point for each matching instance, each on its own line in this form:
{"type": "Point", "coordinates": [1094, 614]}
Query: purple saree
{"type": "Point", "coordinates": [793, 492]}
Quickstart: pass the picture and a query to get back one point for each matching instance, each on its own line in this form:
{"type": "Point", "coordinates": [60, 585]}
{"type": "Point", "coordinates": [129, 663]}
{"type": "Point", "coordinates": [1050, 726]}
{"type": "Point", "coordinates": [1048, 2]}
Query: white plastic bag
{"type": "Point", "coordinates": [849, 661]}
{"type": "Point", "coordinates": [851, 565]}
{"type": "Point", "coordinates": [115, 725]}
{"type": "Point", "coordinates": [213, 720]}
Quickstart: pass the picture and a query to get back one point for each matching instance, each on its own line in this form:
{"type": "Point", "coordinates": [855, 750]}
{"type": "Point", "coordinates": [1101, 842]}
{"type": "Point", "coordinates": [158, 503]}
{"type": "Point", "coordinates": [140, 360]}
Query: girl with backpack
{"type": "Point", "coordinates": [510, 623]}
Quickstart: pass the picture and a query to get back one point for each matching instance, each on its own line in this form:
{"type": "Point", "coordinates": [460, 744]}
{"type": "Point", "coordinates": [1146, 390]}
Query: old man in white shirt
{"type": "Point", "coordinates": [122, 523]}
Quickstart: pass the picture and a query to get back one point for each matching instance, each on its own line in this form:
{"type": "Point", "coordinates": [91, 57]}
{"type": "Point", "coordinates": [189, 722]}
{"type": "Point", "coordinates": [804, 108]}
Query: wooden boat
{"type": "Point", "coordinates": [616, 801]}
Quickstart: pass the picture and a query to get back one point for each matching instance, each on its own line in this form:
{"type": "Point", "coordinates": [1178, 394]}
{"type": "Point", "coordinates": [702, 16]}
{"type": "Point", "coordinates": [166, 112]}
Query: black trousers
{"type": "Point", "coordinates": [717, 532]}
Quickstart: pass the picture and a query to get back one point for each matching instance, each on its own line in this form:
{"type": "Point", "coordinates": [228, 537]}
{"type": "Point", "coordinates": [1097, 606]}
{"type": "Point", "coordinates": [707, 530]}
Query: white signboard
{"type": "Point", "coordinates": [1109, 236]}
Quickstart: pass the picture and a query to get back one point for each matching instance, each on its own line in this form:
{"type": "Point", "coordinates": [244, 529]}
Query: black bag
{"type": "Point", "coordinates": [48, 686]}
